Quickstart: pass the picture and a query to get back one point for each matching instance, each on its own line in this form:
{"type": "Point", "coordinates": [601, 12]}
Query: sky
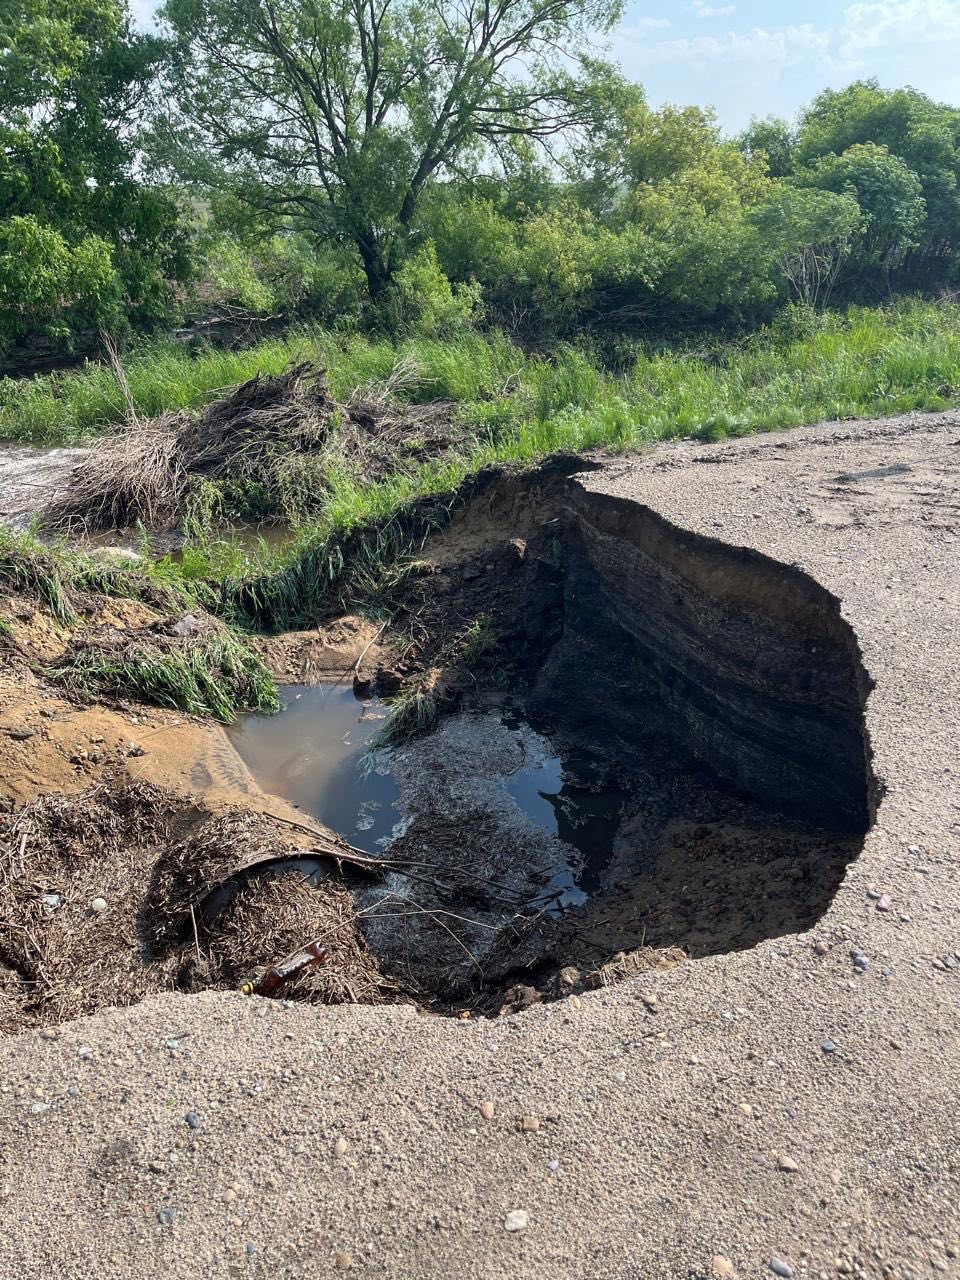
{"type": "Point", "coordinates": [769, 57]}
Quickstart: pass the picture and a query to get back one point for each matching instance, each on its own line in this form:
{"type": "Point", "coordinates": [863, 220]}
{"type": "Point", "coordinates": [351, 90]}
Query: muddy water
{"type": "Point", "coordinates": [31, 478]}
{"type": "Point", "coordinates": [316, 754]}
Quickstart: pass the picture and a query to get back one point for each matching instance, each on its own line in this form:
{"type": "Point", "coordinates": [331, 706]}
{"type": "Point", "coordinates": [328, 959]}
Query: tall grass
{"type": "Point", "coordinates": [865, 361]}
{"type": "Point", "coordinates": [515, 408]}
{"type": "Point", "coordinates": [71, 406]}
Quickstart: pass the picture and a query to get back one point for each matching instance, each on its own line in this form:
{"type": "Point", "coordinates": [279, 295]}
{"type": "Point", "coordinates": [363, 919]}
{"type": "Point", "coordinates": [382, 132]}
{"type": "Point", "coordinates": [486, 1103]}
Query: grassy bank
{"type": "Point", "coordinates": [861, 363]}
{"type": "Point", "coordinates": [514, 407]}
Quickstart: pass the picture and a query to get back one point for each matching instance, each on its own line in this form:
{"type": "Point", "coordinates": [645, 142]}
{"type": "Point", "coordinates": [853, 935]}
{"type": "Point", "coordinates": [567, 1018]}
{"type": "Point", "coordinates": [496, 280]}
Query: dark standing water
{"type": "Point", "coordinates": [582, 812]}
{"type": "Point", "coordinates": [313, 752]}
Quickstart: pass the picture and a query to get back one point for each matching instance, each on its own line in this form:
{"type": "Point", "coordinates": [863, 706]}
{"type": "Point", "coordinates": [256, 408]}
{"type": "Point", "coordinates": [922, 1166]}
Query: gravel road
{"type": "Point", "coordinates": [778, 1111]}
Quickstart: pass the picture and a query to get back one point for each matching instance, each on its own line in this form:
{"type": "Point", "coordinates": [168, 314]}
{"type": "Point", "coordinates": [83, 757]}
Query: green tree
{"type": "Point", "coordinates": [775, 140]}
{"type": "Point", "coordinates": [924, 134]}
{"type": "Point", "coordinates": [335, 115]}
{"type": "Point", "coordinates": [92, 244]}
{"type": "Point", "coordinates": [808, 234]}
{"type": "Point", "coordinates": [889, 194]}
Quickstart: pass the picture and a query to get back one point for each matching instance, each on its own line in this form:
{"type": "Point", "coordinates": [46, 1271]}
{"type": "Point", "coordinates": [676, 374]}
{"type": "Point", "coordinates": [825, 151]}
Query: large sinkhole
{"type": "Point", "coordinates": [666, 758]}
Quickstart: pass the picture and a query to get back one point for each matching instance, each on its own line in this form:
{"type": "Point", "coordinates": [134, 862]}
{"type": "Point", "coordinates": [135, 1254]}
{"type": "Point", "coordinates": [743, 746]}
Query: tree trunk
{"type": "Point", "coordinates": [377, 273]}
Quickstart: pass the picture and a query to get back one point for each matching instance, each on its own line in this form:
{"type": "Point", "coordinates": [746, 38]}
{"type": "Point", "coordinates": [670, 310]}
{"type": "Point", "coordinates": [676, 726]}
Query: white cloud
{"type": "Point", "coordinates": [704, 10]}
{"type": "Point", "coordinates": [884, 23]}
{"type": "Point", "coordinates": [643, 26]}
{"type": "Point", "coordinates": [783, 47]}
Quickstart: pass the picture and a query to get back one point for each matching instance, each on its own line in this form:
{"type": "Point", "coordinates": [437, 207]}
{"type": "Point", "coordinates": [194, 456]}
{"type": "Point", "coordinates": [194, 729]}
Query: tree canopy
{"type": "Point", "coordinates": [338, 112]}
{"type": "Point", "coordinates": [82, 240]}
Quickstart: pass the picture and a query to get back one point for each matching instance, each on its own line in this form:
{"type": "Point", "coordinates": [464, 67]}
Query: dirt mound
{"type": "Point", "coordinates": [110, 895]}
{"type": "Point", "coordinates": [266, 445]}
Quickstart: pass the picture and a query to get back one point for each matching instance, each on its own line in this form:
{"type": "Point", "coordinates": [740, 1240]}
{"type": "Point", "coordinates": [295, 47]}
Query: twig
{"type": "Point", "coordinates": [196, 936]}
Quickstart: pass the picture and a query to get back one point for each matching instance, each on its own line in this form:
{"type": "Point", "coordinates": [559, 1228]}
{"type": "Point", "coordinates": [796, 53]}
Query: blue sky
{"type": "Point", "coordinates": [750, 57]}
{"type": "Point", "coordinates": [769, 57]}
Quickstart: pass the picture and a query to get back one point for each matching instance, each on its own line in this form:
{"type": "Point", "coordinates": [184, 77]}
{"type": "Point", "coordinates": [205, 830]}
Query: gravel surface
{"type": "Point", "coordinates": [782, 1111]}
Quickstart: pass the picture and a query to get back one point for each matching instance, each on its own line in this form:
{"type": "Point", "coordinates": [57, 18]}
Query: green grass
{"type": "Point", "coordinates": [864, 362]}
{"type": "Point", "coordinates": [57, 574]}
{"type": "Point", "coordinates": [72, 406]}
{"type": "Point", "coordinates": [212, 675]}
{"type": "Point", "coordinates": [515, 408]}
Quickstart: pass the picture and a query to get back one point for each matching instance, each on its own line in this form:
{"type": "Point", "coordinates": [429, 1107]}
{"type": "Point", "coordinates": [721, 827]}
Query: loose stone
{"type": "Point", "coordinates": [820, 948]}
{"type": "Point", "coordinates": [166, 1216]}
{"type": "Point", "coordinates": [229, 1195]}
{"type": "Point", "coordinates": [828, 1046]}
{"type": "Point", "coordinates": [722, 1267]}
{"type": "Point", "coordinates": [98, 906]}
{"type": "Point", "coordinates": [745, 1109]}
{"type": "Point", "coordinates": [782, 1269]}
{"type": "Point", "coordinates": [884, 902]}
{"type": "Point", "coordinates": [516, 1220]}
{"type": "Point", "coordinates": [344, 1260]}
{"type": "Point", "coordinates": [528, 1124]}
{"type": "Point", "coordinates": [340, 1147]}
{"type": "Point", "coordinates": [486, 1109]}
{"type": "Point", "coordinates": [191, 1120]}
{"type": "Point", "coordinates": [786, 1165]}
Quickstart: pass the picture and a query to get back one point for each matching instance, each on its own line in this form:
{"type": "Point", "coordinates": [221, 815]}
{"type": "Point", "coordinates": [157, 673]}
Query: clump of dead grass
{"type": "Point", "coordinates": [154, 860]}
{"type": "Point", "coordinates": [263, 449]}
{"type": "Point", "coordinates": [629, 964]}
{"type": "Point", "coordinates": [58, 855]}
{"type": "Point", "coordinates": [218, 886]}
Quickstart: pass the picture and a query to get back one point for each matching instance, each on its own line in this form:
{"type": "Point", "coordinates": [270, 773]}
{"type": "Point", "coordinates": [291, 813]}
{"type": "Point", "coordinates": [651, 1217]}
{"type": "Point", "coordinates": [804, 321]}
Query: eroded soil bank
{"type": "Point", "coordinates": [717, 694]}
{"type": "Point", "coordinates": [778, 1101]}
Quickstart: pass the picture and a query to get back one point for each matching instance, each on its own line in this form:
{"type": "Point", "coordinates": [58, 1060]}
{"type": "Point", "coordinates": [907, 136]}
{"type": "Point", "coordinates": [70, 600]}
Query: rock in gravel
{"type": "Point", "coordinates": [166, 1216]}
{"type": "Point", "coordinates": [722, 1267]}
{"type": "Point", "coordinates": [820, 948]}
{"type": "Point", "coordinates": [782, 1269]}
{"type": "Point", "coordinates": [344, 1260]}
{"type": "Point", "coordinates": [528, 1124]}
{"type": "Point", "coordinates": [827, 1046]}
{"type": "Point", "coordinates": [486, 1109]}
{"type": "Point", "coordinates": [786, 1165]}
{"type": "Point", "coordinates": [516, 1220]}
{"type": "Point", "coordinates": [340, 1147]}
{"type": "Point", "coordinates": [884, 902]}
{"type": "Point", "coordinates": [191, 1120]}
{"type": "Point", "coordinates": [98, 906]}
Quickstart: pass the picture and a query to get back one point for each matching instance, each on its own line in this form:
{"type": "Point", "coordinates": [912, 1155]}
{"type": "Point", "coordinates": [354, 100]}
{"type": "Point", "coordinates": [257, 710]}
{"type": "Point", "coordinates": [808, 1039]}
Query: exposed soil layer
{"type": "Point", "coordinates": [777, 1102]}
{"type": "Point", "coordinates": [720, 692]}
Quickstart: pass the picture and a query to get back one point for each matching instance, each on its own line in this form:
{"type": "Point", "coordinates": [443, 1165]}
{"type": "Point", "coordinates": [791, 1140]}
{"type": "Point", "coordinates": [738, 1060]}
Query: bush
{"type": "Point", "coordinates": [423, 303]}
{"type": "Point", "coordinates": [50, 287]}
